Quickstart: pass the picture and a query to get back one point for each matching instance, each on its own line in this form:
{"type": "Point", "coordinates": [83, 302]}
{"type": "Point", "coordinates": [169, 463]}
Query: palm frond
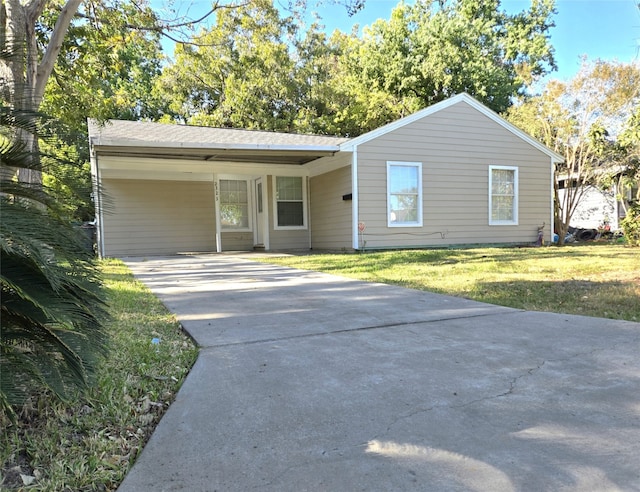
{"type": "Point", "coordinates": [52, 311]}
{"type": "Point", "coordinates": [22, 119]}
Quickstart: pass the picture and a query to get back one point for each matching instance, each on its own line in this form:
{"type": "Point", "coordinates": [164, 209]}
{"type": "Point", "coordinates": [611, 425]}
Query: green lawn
{"type": "Point", "coordinates": [594, 280]}
{"type": "Point", "coordinates": [90, 443]}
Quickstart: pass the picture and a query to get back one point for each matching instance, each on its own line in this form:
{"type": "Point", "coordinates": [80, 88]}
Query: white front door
{"type": "Point", "coordinates": [259, 223]}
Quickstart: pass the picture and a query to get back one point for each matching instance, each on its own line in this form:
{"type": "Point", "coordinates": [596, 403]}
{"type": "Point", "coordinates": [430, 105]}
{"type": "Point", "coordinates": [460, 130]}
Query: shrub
{"type": "Point", "coordinates": [631, 225]}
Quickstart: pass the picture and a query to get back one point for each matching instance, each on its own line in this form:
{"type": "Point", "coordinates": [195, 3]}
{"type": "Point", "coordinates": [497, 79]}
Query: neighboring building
{"type": "Point", "coordinates": [597, 207]}
{"type": "Point", "coordinates": [454, 173]}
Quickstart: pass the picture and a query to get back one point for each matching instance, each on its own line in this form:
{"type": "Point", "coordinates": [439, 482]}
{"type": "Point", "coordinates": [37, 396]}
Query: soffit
{"type": "Point", "coordinates": [258, 156]}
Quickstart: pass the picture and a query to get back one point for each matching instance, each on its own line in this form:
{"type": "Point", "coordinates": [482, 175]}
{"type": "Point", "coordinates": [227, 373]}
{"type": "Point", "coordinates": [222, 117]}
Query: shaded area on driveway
{"type": "Point", "coordinates": [308, 381]}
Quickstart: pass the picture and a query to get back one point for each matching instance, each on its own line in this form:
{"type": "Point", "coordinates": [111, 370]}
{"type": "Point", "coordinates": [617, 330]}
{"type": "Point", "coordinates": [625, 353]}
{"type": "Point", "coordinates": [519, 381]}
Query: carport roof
{"type": "Point", "coordinates": [159, 140]}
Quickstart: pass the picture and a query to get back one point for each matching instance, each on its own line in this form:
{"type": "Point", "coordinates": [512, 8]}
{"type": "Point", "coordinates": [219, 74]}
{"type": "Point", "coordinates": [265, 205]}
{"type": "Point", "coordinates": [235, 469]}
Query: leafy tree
{"type": "Point", "coordinates": [52, 312]}
{"type": "Point", "coordinates": [431, 50]}
{"type": "Point", "coordinates": [319, 97]}
{"type": "Point", "coordinates": [105, 66]}
{"type": "Point", "coordinates": [362, 106]}
{"type": "Point", "coordinates": [36, 31]}
{"type": "Point", "coordinates": [584, 120]}
{"type": "Point", "coordinates": [108, 70]}
{"type": "Point", "coordinates": [627, 152]}
{"type": "Point", "coordinates": [253, 70]}
{"type": "Point", "coordinates": [237, 74]}
{"type": "Point", "coordinates": [624, 152]}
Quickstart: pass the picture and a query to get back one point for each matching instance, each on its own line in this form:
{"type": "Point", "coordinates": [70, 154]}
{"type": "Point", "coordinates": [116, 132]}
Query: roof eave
{"type": "Point", "coordinates": [111, 142]}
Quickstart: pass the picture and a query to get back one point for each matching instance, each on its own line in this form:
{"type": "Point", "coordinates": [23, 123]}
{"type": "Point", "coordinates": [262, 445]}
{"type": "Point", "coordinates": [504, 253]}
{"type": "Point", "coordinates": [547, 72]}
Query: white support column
{"type": "Point", "coordinates": [307, 183]}
{"type": "Point", "coordinates": [553, 201]}
{"type": "Point", "coordinates": [354, 199]}
{"type": "Point", "coordinates": [216, 206]}
{"type": "Point", "coordinates": [266, 201]}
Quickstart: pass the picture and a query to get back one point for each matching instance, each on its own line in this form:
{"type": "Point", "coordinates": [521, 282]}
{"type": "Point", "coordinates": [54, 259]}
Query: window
{"type": "Point", "coordinates": [234, 205]}
{"type": "Point", "coordinates": [404, 194]}
{"type": "Point", "coordinates": [290, 202]}
{"type": "Point", "coordinates": [503, 195]}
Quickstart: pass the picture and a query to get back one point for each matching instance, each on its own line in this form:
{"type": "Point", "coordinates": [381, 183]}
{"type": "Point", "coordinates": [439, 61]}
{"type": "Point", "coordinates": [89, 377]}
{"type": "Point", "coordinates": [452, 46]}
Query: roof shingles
{"type": "Point", "coordinates": [149, 133]}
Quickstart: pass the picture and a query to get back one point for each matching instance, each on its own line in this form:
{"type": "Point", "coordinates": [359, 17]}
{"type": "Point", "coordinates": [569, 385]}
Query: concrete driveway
{"type": "Point", "coordinates": [308, 381]}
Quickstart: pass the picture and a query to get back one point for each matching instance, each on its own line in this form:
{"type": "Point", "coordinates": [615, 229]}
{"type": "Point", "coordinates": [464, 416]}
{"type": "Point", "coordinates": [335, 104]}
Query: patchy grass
{"type": "Point", "coordinates": [600, 280]}
{"type": "Point", "coordinates": [90, 443]}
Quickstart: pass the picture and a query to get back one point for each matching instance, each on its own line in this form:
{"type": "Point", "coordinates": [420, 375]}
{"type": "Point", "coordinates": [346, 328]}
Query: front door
{"type": "Point", "coordinates": [259, 224]}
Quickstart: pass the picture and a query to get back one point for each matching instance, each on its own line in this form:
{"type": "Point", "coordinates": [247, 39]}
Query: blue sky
{"type": "Point", "coordinates": [606, 29]}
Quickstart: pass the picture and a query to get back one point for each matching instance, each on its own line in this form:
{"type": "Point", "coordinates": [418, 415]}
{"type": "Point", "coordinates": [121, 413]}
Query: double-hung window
{"type": "Point", "coordinates": [290, 196]}
{"type": "Point", "coordinates": [503, 195]}
{"type": "Point", "coordinates": [404, 194]}
{"type": "Point", "coordinates": [234, 205]}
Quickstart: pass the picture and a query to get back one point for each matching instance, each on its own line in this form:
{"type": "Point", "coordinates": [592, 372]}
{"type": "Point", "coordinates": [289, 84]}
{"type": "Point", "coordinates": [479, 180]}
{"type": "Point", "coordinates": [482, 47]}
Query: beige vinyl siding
{"type": "Point", "coordinates": [330, 214]}
{"type": "Point", "coordinates": [144, 217]}
{"type": "Point", "coordinates": [237, 241]}
{"type": "Point", "coordinates": [456, 146]}
{"type": "Point", "coordinates": [285, 239]}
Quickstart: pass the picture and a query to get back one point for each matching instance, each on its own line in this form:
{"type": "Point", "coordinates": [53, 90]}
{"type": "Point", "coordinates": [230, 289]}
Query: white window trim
{"type": "Point", "coordinates": [418, 223]}
{"type": "Point", "coordinates": [274, 188]}
{"type": "Point", "coordinates": [249, 204]}
{"type": "Point", "coordinates": [516, 195]}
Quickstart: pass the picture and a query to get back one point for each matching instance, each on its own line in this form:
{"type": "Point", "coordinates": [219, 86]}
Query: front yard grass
{"type": "Point", "coordinates": [90, 443]}
{"type": "Point", "coordinates": [600, 280]}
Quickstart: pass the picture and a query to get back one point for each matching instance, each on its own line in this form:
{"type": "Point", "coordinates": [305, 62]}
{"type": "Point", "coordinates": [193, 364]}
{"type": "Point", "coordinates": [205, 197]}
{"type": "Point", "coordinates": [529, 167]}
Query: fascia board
{"type": "Point", "coordinates": [111, 142]}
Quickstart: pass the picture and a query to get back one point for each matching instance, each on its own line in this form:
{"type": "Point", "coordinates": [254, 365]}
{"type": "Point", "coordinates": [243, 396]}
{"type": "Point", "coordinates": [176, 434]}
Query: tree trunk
{"type": "Point", "coordinates": [25, 74]}
{"type": "Point", "coordinates": [560, 226]}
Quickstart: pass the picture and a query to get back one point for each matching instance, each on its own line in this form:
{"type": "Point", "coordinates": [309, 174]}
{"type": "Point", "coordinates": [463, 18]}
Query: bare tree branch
{"type": "Point", "coordinates": [34, 8]}
{"type": "Point", "coordinates": [53, 48]}
{"type": "Point", "coordinates": [164, 27]}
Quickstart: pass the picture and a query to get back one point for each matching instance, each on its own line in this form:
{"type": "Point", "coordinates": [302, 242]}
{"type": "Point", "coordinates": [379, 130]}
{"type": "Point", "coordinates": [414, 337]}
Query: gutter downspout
{"type": "Point", "coordinates": [354, 200]}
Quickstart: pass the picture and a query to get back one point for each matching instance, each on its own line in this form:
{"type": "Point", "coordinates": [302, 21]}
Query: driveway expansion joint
{"type": "Point", "coordinates": [355, 330]}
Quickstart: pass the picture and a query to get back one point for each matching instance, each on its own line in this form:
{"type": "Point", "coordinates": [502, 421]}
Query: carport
{"type": "Point", "coordinates": [165, 189]}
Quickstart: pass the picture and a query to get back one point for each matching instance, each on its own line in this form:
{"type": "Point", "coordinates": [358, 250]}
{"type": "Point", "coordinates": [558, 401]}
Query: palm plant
{"type": "Point", "coordinates": [52, 313]}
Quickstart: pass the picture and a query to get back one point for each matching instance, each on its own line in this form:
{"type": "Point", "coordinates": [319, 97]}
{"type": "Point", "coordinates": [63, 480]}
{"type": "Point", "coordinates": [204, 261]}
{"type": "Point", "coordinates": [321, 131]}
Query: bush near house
{"type": "Point", "coordinates": [631, 225]}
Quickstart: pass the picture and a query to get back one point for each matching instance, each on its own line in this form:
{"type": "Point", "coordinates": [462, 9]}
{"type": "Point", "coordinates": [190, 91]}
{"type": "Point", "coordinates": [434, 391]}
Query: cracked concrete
{"type": "Point", "coordinates": [308, 381]}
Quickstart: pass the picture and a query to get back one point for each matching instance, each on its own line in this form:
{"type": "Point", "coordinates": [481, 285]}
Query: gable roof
{"type": "Point", "coordinates": [351, 144]}
{"type": "Point", "coordinates": [161, 140]}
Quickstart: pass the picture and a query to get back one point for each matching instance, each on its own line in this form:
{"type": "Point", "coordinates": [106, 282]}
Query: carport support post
{"type": "Point", "coordinates": [216, 207]}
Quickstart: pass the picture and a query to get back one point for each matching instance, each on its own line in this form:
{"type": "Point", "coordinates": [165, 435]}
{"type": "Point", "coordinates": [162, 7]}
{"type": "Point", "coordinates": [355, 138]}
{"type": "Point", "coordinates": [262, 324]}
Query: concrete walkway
{"type": "Point", "coordinates": [308, 381]}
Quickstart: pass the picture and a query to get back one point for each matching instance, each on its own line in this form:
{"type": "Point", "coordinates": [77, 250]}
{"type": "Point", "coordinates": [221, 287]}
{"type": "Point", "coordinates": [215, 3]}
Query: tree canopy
{"type": "Point", "coordinates": [105, 70]}
{"type": "Point", "coordinates": [592, 120]}
{"type": "Point", "coordinates": [256, 69]}
{"type": "Point", "coordinates": [430, 51]}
